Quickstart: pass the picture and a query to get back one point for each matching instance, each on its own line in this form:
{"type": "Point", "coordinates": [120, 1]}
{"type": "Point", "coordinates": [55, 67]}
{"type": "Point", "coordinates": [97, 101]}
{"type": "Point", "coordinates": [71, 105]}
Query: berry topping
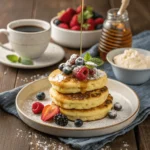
{"type": "Point", "coordinates": [40, 96]}
{"type": "Point", "coordinates": [73, 58]}
{"type": "Point", "coordinates": [61, 120]}
{"type": "Point", "coordinates": [92, 71]}
{"type": "Point", "coordinates": [74, 21]}
{"type": "Point", "coordinates": [49, 112]}
{"type": "Point", "coordinates": [37, 107]}
{"type": "Point", "coordinates": [77, 28]}
{"type": "Point", "coordinates": [112, 114]}
{"type": "Point", "coordinates": [78, 123]}
{"type": "Point", "coordinates": [64, 26]}
{"type": "Point", "coordinates": [98, 21]}
{"type": "Point", "coordinates": [99, 26]}
{"type": "Point", "coordinates": [61, 66]}
{"type": "Point", "coordinates": [81, 73]}
{"type": "Point", "coordinates": [79, 61]}
{"type": "Point", "coordinates": [57, 22]}
{"type": "Point", "coordinates": [117, 106]}
{"type": "Point", "coordinates": [67, 70]}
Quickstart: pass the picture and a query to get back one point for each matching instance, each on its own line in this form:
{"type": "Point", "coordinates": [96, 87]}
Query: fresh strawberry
{"type": "Point", "coordinates": [79, 9]}
{"type": "Point", "coordinates": [37, 107]}
{"type": "Point", "coordinates": [65, 16]}
{"type": "Point", "coordinates": [91, 27]}
{"type": "Point", "coordinates": [87, 27]}
{"type": "Point", "coordinates": [49, 112]}
{"type": "Point", "coordinates": [81, 73]}
{"type": "Point", "coordinates": [63, 25]}
{"type": "Point", "coordinates": [71, 11]}
{"type": "Point", "coordinates": [77, 27]}
{"type": "Point", "coordinates": [74, 21]}
{"type": "Point", "coordinates": [98, 21]}
{"type": "Point", "coordinates": [91, 21]}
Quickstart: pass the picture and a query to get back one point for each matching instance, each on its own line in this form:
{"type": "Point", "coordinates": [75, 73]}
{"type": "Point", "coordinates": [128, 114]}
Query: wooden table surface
{"type": "Point", "coordinates": [14, 134]}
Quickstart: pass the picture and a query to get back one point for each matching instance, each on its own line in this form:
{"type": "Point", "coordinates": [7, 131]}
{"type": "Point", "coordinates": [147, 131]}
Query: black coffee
{"type": "Point", "coordinates": [28, 28]}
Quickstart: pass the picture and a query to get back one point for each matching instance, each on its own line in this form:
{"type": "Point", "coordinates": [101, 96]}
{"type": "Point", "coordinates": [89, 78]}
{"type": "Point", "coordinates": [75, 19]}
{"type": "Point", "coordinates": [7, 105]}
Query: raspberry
{"type": "Point", "coordinates": [92, 71]}
{"type": "Point", "coordinates": [98, 21]}
{"type": "Point", "coordinates": [81, 73]}
{"type": "Point", "coordinates": [37, 107]}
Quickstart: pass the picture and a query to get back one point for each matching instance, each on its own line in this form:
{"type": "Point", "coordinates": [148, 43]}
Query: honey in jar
{"type": "Point", "coordinates": [116, 32]}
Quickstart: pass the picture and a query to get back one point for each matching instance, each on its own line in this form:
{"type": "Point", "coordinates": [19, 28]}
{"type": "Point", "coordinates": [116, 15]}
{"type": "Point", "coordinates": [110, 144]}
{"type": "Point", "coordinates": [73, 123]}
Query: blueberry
{"type": "Point", "coordinates": [112, 114]}
{"type": "Point", "coordinates": [96, 15]}
{"type": "Point", "coordinates": [73, 66]}
{"type": "Point", "coordinates": [61, 66]}
{"type": "Point", "coordinates": [79, 61]}
{"type": "Point", "coordinates": [99, 26]}
{"type": "Point", "coordinates": [117, 106]}
{"type": "Point", "coordinates": [78, 123]}
{"type": "Point", "coordinates": [61, 120]}
{"type": "Point", "coordinates": [57, 22]}
{"type": "Point", "coordinates": [40, 96]}
{"type": "Point", "coordinates": [67, 70]}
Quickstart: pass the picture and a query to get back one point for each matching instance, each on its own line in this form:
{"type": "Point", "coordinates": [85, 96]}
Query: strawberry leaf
{"type": "Point", "coordinates": [87, 14]}
{"type": "Point", "coordinates": [85, 26]}
{"type": "Point", "coordinates": [89, 8]}
{"type": "Point", "coordinates": [87, 57]}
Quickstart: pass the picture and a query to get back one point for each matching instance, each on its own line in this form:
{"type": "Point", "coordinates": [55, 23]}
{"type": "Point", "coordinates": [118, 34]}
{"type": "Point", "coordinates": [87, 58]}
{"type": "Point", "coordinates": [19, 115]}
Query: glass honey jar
{"type": "Point", "coordinates": [116, 33]}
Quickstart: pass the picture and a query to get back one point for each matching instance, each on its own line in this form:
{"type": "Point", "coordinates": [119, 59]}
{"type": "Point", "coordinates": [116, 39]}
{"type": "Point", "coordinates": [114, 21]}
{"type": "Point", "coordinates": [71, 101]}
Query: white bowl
{"type": "Point", "coordinates": [129, 76]}
{"type": "Point", "coordinates": [70, 38]}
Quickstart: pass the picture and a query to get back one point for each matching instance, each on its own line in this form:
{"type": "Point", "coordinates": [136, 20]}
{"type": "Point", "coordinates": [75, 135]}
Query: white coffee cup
{"type": "Point", "coordinates": [28, 44]}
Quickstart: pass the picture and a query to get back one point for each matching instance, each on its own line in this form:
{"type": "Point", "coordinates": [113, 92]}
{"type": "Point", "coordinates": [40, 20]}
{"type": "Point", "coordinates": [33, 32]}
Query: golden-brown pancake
{"type": "Point", "coordinates": [68, 84]}
{"type": "Point", "coordinates": [85, 100]}
{"type": "Point", "coordinates": [95, 113]}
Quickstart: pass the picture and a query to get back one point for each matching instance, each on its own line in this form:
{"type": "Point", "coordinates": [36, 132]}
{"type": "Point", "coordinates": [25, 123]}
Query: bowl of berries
{"type": "Point", "coordinates": [66, 27]}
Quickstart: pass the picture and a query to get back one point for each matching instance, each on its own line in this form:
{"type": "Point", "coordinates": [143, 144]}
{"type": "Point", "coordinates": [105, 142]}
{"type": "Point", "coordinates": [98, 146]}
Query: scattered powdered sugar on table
{"type": "Point", "coordinates": [46, 143]}
{"type": "Point", "coordinates": [42, 143]}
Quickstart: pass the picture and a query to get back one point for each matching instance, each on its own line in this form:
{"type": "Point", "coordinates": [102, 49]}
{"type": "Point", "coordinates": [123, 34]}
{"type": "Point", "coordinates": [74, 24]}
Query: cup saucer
{"type": "Point", "coordinates": [52, 55]}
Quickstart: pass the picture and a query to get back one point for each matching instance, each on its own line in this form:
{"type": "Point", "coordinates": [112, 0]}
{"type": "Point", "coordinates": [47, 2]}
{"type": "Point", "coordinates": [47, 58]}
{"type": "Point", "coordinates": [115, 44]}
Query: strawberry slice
{"type": "Point", "coordinates": [49, 112]}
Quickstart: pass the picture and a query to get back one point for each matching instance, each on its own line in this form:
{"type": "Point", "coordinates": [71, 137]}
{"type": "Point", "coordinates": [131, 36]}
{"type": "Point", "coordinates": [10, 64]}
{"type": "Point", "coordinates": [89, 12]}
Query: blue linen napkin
{"type": "Point", "coordinates": [142, 40]}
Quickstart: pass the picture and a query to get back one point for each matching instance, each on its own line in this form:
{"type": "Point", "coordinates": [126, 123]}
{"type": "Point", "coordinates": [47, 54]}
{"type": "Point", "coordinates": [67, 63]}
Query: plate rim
{"type": "Point", "coordinates": [73, 128]}
{"type": "Point", "coordinates": [32, 66]}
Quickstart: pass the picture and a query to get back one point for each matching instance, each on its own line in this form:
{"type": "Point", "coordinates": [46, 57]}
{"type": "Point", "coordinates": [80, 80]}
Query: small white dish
{"type": "Point", "coordinates": [120, 92]}
{"type": "Point", "coordinates": [52, 55]}
{"type": "Point", "coordinates": [129, 76]}
{"type": "Point", "coordinates": [71, 38]}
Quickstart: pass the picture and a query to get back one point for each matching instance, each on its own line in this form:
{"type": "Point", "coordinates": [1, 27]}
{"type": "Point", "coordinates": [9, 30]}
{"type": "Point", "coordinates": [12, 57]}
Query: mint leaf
{"type": "Point", "coordinates": [87, 14]}
{"type": "Point", "coordinates": [13, 58]}
{"type": "Point", "coordinates": [87, 57]}
{"type": "Point", "coordinates": [25, 61]}
{"type": "Point", "coordinates": [97, 61]}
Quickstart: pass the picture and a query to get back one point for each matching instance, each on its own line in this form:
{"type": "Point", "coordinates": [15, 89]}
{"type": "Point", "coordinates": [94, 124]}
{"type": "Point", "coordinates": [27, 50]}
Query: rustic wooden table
{"type": "Point", "coordinates": [14, 134]}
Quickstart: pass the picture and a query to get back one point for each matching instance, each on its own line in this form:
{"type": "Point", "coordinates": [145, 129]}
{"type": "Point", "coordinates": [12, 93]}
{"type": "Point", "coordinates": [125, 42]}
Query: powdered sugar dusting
{"type": "Point", "coordinates": [121, 115]}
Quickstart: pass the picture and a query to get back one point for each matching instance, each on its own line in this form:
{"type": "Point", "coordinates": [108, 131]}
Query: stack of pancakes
{"type": "Point", "coordinates": [86, 100]}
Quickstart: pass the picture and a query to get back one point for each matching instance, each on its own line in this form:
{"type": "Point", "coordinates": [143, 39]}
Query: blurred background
{"type": "Point", "coordinates": [139, 11]}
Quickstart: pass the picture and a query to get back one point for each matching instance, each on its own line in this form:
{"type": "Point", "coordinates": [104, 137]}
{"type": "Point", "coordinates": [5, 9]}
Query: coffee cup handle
{"type": "Point", "coordinates": [4, 31]}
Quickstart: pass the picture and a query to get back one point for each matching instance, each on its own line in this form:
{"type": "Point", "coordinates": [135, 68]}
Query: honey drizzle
{"type": "Point", "coordinates": [82, 5]}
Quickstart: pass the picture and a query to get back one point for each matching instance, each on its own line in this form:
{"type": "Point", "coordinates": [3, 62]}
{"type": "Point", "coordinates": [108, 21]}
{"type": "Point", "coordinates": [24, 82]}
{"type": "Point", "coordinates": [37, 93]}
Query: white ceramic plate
{"type": "Point", "coordinates": [52, 55]}
{"type": "Point", "coordinates": [120, 92]}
